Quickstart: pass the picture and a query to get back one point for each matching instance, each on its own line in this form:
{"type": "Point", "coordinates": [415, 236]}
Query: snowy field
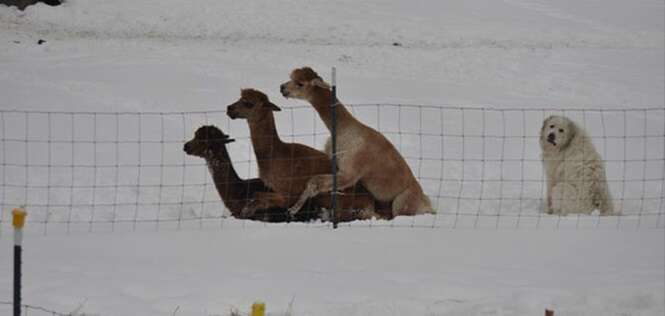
{"type": "Point", "coordinates": [123, 223]}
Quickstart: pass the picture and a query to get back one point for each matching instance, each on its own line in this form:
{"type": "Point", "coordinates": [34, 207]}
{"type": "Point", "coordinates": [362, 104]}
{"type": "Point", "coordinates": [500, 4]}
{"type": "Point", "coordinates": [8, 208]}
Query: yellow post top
{"type": "Point", "coordinates": [258, 309]}
{"type": "Point", "coordinates": [18, 217]}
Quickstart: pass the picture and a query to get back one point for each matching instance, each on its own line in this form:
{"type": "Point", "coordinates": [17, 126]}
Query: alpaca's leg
{"type": "Point", "coordinates": [355, 198]}
{"type": "Point", "coordinates": [349, 215]}
{"type": "Point", "coordinates": [323, 183]}
{"type": "Point", "coordinates": [264, 200]}
{"type": "Point", "coordinates": [411, 201]}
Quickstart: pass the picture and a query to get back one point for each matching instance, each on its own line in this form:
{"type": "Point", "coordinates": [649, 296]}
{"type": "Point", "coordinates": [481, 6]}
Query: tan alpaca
{"type": "Point", "coordinates": [286, 167]}
{"type": "Point", "coordinates": [364, 155]}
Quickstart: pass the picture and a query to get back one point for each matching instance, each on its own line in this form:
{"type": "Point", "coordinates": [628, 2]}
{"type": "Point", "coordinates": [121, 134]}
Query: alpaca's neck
{"type": "Point", "coordinates": [228, 184]}
{"type": "Point", "coordinates": [264, 135]}
{"type": "Point", "coordinates": [322, 101]}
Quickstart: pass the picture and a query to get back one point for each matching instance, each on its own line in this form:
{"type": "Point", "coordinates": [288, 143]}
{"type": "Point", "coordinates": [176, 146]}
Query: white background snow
{"type": "Point", "coordinates": [173, 56]}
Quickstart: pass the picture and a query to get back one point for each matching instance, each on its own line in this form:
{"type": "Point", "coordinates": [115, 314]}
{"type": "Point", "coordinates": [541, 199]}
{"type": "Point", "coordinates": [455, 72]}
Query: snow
{"type": "Point", "coordinates": [173, 56]}
{"type": "Point", "coordinates": [380, 271]}
{"type": "Point", "coordinates": [481, 52]}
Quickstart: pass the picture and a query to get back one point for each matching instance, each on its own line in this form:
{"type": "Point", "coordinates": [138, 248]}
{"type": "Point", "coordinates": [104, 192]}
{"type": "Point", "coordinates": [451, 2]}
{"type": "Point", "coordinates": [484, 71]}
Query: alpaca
{"type": "Point", "coordinates": [286, 167]}
{"type": "Point", "coordinates": [388, 179]}
{"type": "Point", "coordinates": [209, 143]}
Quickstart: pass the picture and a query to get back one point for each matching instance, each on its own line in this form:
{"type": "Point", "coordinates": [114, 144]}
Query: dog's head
{"type": "Point", "coordinates": [557, 133]}
{"type": "Point", "coordinates": [251, 105]}
{"type": "Point", "coordinates": [303, 84]}
{"type": "Point", "coordinates": [207, 140]}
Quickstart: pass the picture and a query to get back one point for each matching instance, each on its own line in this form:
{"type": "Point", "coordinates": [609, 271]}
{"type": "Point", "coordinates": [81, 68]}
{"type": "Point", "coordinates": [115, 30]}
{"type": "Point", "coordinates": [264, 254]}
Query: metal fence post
{"type": "Point", "coordinates": [333, 105]}
{"type": "Point", "coordinates": [18, 219]}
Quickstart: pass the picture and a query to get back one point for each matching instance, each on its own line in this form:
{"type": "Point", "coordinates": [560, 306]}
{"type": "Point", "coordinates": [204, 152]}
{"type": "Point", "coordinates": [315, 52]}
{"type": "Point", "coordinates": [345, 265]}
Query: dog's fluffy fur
{"type": "Point", "coordinates": [576, 181]}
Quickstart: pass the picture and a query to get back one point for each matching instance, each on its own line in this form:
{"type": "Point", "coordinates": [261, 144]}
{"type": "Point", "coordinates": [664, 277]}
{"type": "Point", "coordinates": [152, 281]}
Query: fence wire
{"type": "Point", "coordinates": [31, 310]}
{"type": "Point", "coordinates": [481, 166]}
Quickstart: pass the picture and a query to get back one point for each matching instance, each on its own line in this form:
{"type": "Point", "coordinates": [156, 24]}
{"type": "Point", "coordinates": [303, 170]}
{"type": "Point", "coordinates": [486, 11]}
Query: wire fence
{"type": "Point", "coordinates": [30, 310]}
{"type": "Point", "coordinates": [481, 166]}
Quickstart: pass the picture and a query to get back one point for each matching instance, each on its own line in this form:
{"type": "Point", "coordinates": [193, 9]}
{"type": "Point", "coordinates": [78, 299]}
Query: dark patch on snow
{"type": "Point", "coordinates": [22, 4]}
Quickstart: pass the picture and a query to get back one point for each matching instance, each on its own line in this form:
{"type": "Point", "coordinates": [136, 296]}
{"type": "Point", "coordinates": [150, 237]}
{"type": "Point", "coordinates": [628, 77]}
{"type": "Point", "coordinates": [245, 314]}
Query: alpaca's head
{"type": "Point", "coordinates": [304, 83]}
{"type": "Point", "coordinates": [207, 141]}
{"type": "Point", "coordinates": [253, 104]}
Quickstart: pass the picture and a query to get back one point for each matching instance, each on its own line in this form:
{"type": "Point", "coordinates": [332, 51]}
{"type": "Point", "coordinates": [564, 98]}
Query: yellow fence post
{"type": "Point", "coordinates": [259, 309]}
{"type": "Point", "coordinates": [18, 220]}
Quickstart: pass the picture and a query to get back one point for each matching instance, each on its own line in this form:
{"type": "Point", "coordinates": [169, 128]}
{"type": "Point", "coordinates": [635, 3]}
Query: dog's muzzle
{"type": "Point", "coordinates": [282, 89]}
{"type": "Point", "coordinates": [551, 139]}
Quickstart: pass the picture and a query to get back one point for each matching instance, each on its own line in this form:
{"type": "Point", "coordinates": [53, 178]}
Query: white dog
{"type": "Point", "coordinates": [575, 171]}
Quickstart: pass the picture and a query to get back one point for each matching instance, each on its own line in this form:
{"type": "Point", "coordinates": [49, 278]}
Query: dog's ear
{"type": "Point", "coordinates": [542, 128]}
{"type": "Point", "coordinates": [573, 131]}
{"type": "Point", "coordinates": [273, 107]}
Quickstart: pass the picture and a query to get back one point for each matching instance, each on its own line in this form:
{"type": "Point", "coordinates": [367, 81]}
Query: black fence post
{"type": "Point", "coordinates": [333, 105]}
{"type": "Point", "coordinates": [18, 219]}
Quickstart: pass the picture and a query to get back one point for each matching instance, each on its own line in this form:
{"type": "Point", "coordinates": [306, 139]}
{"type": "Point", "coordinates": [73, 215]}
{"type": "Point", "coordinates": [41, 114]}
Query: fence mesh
{"type": "Point", "coordinates": [481, 167]}
{"type": "Point", "coordinates": [30, 310]}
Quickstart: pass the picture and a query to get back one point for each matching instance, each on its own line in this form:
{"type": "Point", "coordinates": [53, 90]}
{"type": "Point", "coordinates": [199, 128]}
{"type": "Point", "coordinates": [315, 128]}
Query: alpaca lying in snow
{"type": "Point", "coordinates": [389, 178]}
{"type": "Point", "coordinates": [209, 143]}
{"type": "Point", "coordinates": [286, 167]}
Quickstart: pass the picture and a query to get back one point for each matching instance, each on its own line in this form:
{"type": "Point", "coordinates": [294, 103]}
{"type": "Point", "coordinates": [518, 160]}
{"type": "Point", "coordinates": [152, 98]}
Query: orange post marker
{"type": "Point", "coordinates": [18, 217]}
{"type": "Point", "coordinates": [18, 220]}
{"type": "Point", "coordinates": [258, 309]}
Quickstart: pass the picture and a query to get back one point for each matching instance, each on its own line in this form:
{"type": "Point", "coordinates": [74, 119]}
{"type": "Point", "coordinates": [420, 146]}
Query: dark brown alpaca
{"type": "Point", "coordinates": [209, 143]}
{"type": "Point", "coordinates": [286, 167]}
{"type": "Point", "coordinates": [389, 178]}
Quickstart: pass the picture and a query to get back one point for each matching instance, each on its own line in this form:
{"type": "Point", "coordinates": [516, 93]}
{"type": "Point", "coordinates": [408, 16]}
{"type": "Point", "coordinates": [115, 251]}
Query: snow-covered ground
{"type": "Point", "coordinates": [359, 272]}
{"type": "Point", "coordinates": [175, 56]}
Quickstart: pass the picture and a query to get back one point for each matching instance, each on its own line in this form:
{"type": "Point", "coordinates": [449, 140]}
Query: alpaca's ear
{"type": "Point", "coordinates": [273, 107]}
{"type": "Point", "coordinates": [320, 83]}
{"type": "Point", "coordinates": [229, 140]}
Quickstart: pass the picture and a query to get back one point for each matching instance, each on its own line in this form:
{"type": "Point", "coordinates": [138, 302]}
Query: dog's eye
{"type": "Point", "coordinates": [561, 130]}
{"type": "Point", "coordinates": [299, 84]}
{"type": "Point", "coordinates": [551, 126]}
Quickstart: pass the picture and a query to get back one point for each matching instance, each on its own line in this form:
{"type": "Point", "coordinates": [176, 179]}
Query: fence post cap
{"type": "Point", "coordinates": [18, 217]}
{"type": "Point", "coordinates": [258, 309]}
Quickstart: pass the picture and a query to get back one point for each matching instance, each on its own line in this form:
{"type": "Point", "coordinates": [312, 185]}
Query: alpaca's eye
{"type": "Point", "coordinates": [561, 130]}
{"type": "Point", "coordinates": [299, 84]}
{"type": "Point", "coordinates": [248, 104]}
{"type": "Point", "coordinates": [551, 126]}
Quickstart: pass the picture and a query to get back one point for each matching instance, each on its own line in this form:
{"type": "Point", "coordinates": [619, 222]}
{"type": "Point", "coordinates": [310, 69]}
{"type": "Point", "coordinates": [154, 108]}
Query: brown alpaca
{"type": "Point", "coordinates": [359, 147]}
{"type": "Point", "coordinates": [209, 143]}
{"type": "Point", "coordinates": [286, 167]}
